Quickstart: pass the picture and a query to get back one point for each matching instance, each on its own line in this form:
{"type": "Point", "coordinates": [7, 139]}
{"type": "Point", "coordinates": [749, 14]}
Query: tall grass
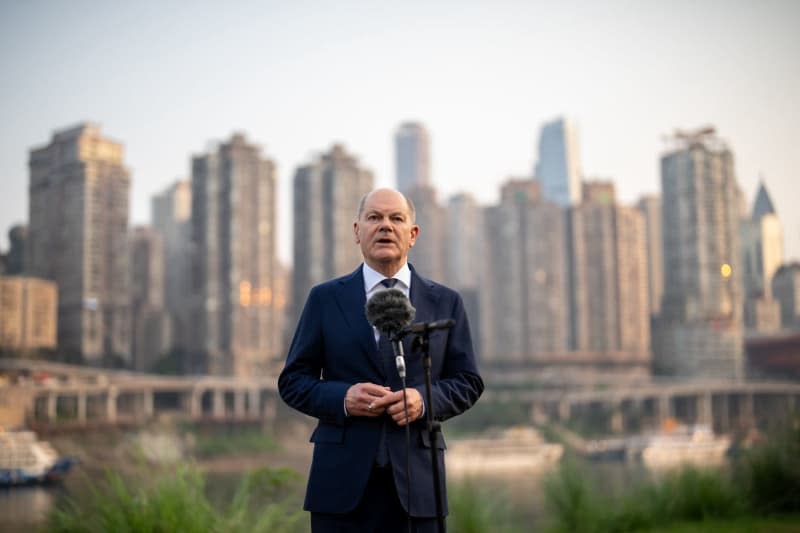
{"type": "Point", "coordinates": [476, 509]}
{"type": "Point", "coordinates": [763, 482]}
{"type": "Point", "coordinates": [176, 501]}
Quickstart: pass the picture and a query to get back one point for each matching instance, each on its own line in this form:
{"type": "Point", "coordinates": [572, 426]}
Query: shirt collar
{"type": "Point", "coordinates": [373, 277]}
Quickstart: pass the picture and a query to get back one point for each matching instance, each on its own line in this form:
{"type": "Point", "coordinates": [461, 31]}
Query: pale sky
{"type": "Point", "coordinates": [167, 78]}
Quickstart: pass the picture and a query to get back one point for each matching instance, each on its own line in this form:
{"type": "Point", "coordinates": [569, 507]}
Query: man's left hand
{"type": "Point", "coordinates": [393, 403]}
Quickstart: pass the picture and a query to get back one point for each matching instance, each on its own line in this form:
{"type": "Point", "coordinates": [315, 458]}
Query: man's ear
{"type": "Point", "coordinates": [355, 232]}
{"type": "Point", "coordinates": [414, 234]}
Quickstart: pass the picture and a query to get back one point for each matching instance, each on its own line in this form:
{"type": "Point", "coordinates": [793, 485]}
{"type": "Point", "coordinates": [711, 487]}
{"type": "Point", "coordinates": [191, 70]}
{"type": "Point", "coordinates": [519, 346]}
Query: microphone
{"type": "Point", "coordinates": [389, 311]}
{"type": "Point", "coordinates": [422, 327]}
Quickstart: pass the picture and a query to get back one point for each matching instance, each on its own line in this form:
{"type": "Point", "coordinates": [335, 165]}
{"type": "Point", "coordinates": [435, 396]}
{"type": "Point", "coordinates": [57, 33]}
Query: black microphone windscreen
{"type": "Point", "coordinates": [389, 311]}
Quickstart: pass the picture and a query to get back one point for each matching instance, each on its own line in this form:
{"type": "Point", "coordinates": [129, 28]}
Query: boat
{"type": "Point", "coordinates": [26, 460]}
{"type": "Point", "coordinates": [518, 449]}
{"type": "Point", "coordinates": [695, 445]}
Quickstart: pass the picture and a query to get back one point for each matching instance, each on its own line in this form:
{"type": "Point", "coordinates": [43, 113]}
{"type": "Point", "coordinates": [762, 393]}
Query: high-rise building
{"type": "Point", "coordinates": [650, 206]}
{"type": "Point", "coordinates": [151, 329]}
{"type": "Point", "coordinates": [558, 167]}
{"type": "Point", "coordinates": [524, 289]}
{"type": "Point", "coordinates": [700, 332]}
{"type": "Point", "coordinates": [428, 253]}
{"type": "Point", "coordinates": [326, 197]}
{"type": "Point", "coordinates": [15, 259]}
{"type": "Point", "coordinates": [609, 309]}
{"type": "Point", "coordinates": [412, 156]}
{"type": "Point", "coordinates": [464, 242]}
{"type": "Point", "coordinates": [28, 313]}
{"type": "Point", "coordinates": [171, 213]}
{"type": "Point", "coordinates": [78, 237]}
{"type": "Point", "coordinates": [762, 255]}
{"type": "Point", "coordinates": [234, 261]}
{"type": "Point", "coordinates": [786, 288]}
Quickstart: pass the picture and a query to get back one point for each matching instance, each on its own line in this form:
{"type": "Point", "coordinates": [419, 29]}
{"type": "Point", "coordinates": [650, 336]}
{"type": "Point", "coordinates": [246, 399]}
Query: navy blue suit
{"type": "Point", "coordinates": [333, 348]}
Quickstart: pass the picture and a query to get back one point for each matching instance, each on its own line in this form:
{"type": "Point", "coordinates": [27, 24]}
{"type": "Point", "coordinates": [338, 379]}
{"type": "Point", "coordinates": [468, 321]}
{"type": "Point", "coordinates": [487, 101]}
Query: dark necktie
{"type": "Point", "coordinates": [389, 282]}
{"type": "Point", "coordinates": [387, 358]}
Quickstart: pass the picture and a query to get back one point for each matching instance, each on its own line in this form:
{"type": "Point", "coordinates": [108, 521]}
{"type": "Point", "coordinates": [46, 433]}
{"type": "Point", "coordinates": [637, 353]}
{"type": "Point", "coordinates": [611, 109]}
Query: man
{"type": "Point", "coordinates": [338, 370]}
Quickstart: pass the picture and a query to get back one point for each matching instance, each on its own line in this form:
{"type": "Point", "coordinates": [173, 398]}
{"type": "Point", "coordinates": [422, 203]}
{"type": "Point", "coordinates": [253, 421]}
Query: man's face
{"type": "Point", "coordinates": [385, 231]}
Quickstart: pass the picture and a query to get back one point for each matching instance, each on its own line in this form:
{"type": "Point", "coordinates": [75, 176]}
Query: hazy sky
{"type": "Point", "coordinates": [168, 77]}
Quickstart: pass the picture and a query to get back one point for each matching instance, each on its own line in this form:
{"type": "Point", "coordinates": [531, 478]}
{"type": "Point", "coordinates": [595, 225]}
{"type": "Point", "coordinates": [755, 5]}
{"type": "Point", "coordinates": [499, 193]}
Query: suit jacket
{"type": "Point", "coordinates": [333, 348]}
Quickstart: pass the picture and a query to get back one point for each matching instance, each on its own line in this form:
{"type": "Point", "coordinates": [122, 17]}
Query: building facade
{"type": "Point", "coordinates": [234, 265]}
{"type": "Point", "coordinates": [171, 214]}
{"type": "Point", "coordinates": [650, 207]}
{"type": "Point", "coordinates": [412, 146]}
{"type": "Point", "coordinates": [762, 254]}
{"type": "Point", "coordinates": [700, 332]}
{"type": "Point", "coordinates": [326, 197]}
{"type": "Point", "coordinates": [15, 259]}
{"type": "Point", "coordinates": [78, 237]}
{"type": "Point", "coordinates": [28, 314]}
{"type": "Point", "coordinates": [428, 253]}
{"type": "Point", "coordinates": [609, 305]}
{"type": "Point", "coordinates": [786, 288]}
{"type": "Point", "coordinates": [524, 290]}
{"type": "Point", "coordinates": [558, 168]}
{"type": "Point", "coordinates": [151, 328]}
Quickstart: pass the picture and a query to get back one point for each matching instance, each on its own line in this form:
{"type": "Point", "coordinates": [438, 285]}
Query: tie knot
{"type": "Point", "coordinates": [389, 282]}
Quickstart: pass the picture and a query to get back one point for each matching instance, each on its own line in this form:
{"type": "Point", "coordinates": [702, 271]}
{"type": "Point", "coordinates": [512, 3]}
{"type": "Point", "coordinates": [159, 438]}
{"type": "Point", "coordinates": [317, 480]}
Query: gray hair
{"type": "Point", "coordinates": [411, 209]}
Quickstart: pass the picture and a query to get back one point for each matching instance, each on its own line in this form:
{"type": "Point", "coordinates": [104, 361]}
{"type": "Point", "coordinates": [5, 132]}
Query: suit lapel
{"type": "Point", "coordinates": [424, 297]}
{"type": "Point", "coordinates": [351, 299]}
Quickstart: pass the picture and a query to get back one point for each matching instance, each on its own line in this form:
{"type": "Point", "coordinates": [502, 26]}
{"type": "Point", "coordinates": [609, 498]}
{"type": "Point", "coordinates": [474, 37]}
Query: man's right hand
{"type": "Point", "coordinates": [360, 398]}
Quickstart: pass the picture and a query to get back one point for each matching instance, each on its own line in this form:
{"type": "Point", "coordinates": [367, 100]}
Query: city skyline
{"type": "Point", "coordinates": [482, 79]}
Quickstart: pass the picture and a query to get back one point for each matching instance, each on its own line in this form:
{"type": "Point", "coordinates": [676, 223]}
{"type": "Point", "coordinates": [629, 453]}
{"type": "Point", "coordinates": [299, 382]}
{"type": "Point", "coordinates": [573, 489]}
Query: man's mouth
{"type": "Point", "coordinates": [385, 241]}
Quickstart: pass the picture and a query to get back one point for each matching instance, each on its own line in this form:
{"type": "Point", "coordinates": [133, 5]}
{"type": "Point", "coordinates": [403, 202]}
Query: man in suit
{"type": "Point", "coordinates": [341, 371]}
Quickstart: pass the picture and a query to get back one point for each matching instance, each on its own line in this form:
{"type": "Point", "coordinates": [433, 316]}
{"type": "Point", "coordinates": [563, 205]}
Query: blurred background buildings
{"type": "Point", "coordinates": [557, 275]}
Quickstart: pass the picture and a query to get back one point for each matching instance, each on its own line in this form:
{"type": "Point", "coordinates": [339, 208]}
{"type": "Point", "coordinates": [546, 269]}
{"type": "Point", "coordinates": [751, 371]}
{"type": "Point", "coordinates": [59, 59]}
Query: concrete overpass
{"type": "Point", "coordinates": [727, 406]}
{"type": "Point", "coordinates": [39, 393]}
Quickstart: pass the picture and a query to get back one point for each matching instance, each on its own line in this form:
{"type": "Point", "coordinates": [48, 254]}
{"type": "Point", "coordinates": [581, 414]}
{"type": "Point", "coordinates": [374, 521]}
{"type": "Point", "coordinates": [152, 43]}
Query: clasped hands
{"type": "Point", "coordinates": [369, 399]}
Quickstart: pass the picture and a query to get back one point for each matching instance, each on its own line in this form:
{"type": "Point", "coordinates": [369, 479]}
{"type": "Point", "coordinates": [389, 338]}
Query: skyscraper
{"type": "Point", "coordinates": [428, 253]}
{"type": "Point", "coordinates": [650, 206]}
{"type": "Point", "coordinates": [15, 260]}
{"type": "Point", "coordinates": [412, 156]}
{"type": "Point", "coordinates": [171, 213]}
{"type": "Point", "coordinates": [700, 330]}
{"type": "Point", "coordinates": [609, 300]}
{"type": "Point", "coordinates": [78, 237]}
{"type": "Point", "coordinates": [524, 291]}
{"type": "Point", "coordinates": [151, 329]}
{"type": "Point", "coordinates": [786, 288]}
{"type": "Point", "coordinates": [762, 255]}
{"type": "Point", "coordinates": [558, 168]}
{"type": "Point", "coordinates": [326, 197]}
{"type": "Point", "coordinates": [235, 262]}
{"type": "Point", "coordinates": [464, 244]}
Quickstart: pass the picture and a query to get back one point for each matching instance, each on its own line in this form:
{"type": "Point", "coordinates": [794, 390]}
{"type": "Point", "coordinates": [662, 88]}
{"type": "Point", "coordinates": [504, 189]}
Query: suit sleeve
{"type": "Point", "coordinates": [302, 384]}
{"type": "Point", "coordinates": [459, 385]}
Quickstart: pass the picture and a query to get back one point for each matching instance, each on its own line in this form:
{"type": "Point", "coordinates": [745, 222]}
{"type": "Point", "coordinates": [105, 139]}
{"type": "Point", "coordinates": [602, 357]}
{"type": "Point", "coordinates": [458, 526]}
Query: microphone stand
{"type": "Point", "coordinates": [422, 340]}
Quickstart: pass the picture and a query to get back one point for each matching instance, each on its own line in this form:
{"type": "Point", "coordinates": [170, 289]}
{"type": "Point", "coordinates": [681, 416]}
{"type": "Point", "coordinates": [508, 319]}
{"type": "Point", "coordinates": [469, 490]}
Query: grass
{"type": "Point", "coordinates": [762, 486]}
{"type": "Point", "coordinates": [233, 443]}
{"type": "Point", "coordinates": [266, 501]}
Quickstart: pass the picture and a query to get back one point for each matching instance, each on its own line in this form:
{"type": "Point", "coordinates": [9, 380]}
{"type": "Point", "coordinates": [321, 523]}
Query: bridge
{"type": "Point", "coordinates": [40, 393]}
{"type": "Point", "coordinates": [727, 406]}
{"type": "Point", "coordinates": [52, 394]}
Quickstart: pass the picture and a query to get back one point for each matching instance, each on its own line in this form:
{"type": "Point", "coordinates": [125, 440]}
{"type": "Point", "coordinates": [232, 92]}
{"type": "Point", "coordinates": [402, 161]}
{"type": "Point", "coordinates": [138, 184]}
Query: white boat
{"type": "Point", "coordinates": [25, 460]}
{"type": "Point", "coordinates": [687, 445]}
{"type": "Point", "coordinates": [519, 449]}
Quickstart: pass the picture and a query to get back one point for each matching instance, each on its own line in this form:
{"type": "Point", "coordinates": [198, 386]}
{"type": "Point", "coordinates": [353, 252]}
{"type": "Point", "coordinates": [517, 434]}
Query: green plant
{"type": "Point", "coordinates": [176, 501]}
